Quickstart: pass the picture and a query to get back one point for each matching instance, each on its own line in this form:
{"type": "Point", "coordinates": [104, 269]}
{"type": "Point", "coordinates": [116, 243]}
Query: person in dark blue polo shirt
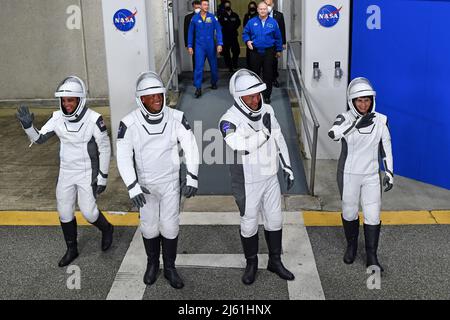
{"type": "Point", "coordinates": [205, 26]}
{"type": "Point", "coordinates": [263, 37]}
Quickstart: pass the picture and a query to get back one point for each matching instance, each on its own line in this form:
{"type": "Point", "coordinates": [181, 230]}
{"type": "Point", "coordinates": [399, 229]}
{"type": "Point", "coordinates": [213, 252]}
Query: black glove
{"type": "Point", "coordinates": [139, 200]}
{"type": "Point", "coordinates": [99, 189]}
{"type": "Point", "coordinates": [289, 182]}
{"type": "Point", "coordinates": [365, 121]}
{"type": "Point", "coordinates": [190, 191]}
{"type": "Point", "coordinates": [25, 117]}
{"type": "Point", "coordinates": [267, 122]}
{"type": "Point", "coordinates": [387, 182]}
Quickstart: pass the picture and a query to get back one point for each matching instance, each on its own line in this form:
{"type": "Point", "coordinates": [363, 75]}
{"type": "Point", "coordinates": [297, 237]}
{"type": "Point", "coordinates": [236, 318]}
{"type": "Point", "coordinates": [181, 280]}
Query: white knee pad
{"type": "Point", "coordinates": [371, 200]}
{"type": "Point", "coordinates": [90, 212]}
{"type": "Point", "coordinates": [148, 231]}
{"type": "Point", "coordinates": [349, 211]}
{"type": "Point", "coordinates": [372, 214]}
{"type": "Point", "coordinates": [273, 224]}
{"type": "Point", "coordinates": [66, 211]}
{"type": "Point", "coordinates": [249, 227]}
{"type": "Point", "coordinates": [169, 231]}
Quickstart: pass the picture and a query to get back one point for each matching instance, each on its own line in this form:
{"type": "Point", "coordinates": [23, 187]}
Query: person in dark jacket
{"type": "Point", "coordinates": [278, 16]}
{"type": "Point", "coordinates": [252, 12]}
{"type": "Point", "coordinates": [230, 25]}
{"type": "Point", "coordinates": [187, 21]}
{"type": "Point", "coordinates": [263, 37]}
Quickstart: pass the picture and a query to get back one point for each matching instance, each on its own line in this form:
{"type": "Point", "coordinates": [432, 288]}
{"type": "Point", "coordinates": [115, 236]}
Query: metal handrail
{"type": "Point", "coordinates": [312, 145]}
{"type": "Point", "coordinates": [173, 81]}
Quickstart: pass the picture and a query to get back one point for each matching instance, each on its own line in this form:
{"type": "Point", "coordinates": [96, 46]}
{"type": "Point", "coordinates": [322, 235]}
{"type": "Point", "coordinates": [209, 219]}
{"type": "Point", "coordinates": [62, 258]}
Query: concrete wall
{"type": "Point", "coordinates": [38, 50]}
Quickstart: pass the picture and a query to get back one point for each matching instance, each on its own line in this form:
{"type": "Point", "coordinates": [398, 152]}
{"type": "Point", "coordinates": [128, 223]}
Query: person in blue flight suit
{"type": "Point", "coordinates": [205, 25]}
{"type": "Point", "coordinates": [263, 37]}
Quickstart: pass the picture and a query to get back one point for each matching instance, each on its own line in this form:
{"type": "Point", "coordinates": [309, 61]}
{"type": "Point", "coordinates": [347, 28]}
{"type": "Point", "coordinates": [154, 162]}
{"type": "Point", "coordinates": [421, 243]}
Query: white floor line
{"type": "Point", "coordinates": [297, 257]}
{"type": "Point", "coordinates": [128, 284]}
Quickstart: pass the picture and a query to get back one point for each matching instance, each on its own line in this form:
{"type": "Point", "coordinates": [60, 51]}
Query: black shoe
{"type": "Point", "coordinates": [276, 84]}
{"type": "Point", "coordinates": [351, 230]}
{"type": "Point", "coordinates": [250, 246]}
{"type": "Point", "coordinates": [231, 70]}
{"type": "Point", "coordinates": [251, 268]}
{"type": "Point", "coordinates": [152, 248]}
{"type": "Point", "coordinates": [198, 93]}
{"type": "Point", "coordinates": [214, 86]}
{"type": "Point", "coordinates": [175, 281]}
{"type": "Point", "coordinates": [273, 239]}
{"type": "Point", "coordinates": [372, 234]}
{"type": "Point", "coordinates": [70, 236]}
{"type": "Point", "coordinates": [70, 255]}
{"type": "Point", "coordinates": [107, 230]}
{"type": "Point", "coordinates": [169, 247]}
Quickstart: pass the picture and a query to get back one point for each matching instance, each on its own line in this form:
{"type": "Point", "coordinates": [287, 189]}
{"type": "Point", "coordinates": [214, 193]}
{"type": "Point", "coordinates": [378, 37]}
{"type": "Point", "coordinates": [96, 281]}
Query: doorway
{"type": "Point", "coordinates": [184, 7]}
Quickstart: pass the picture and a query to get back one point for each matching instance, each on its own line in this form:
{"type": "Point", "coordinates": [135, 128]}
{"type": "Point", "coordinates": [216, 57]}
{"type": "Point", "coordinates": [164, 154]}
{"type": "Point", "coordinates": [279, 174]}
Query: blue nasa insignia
{"type": "Point", "coordinates": [124, 20]}
{"type": "Point", "coordinates": [328, 16]}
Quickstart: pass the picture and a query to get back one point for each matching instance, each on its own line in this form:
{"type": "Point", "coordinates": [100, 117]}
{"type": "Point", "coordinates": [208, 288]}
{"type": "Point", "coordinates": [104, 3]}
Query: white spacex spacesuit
{"type": "Point", "coordinates": [256, 138]}
{"type": "Point", "coordinates": [366, 142]}
{"type": "Point", "coordinates": [149, 164]}
{"type": "Point", "coordinates": [85, 152]}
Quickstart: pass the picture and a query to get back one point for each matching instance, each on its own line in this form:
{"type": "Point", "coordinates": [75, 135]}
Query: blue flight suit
{"type": "Point", "coordinates": [205, 45]}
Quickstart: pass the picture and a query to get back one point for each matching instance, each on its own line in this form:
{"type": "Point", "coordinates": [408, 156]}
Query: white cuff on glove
{"type": "Point", "coordinates": [391, 177]}
{"type": "Point", "coordinates": [32, 133]}
{"type": "Point", "coordinates": [133, 192]}
{"type": "Point", "coordinates": [289, 172]}
{"type": "Point", "coordinates": [190, 181]}
{"type": "Point", "coordinates": [101, 181]}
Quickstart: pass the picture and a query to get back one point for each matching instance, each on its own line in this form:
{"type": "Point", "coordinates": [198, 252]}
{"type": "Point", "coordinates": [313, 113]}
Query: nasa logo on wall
{"type": "Point", "coordinates": [124, 20]}
{"type": "Point", "coordinates": [328, 16]}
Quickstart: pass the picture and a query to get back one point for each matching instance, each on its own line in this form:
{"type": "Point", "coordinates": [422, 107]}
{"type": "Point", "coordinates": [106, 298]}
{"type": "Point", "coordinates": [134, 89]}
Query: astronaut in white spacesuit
{"type": "Point", "coordinates": [366, 142]}
{"type": "Point", "coordinates": [251, 130]}
{"type": "Point", "coordinates": [149, 164]}
{"type": "Point", "coordinates": [85, 153]}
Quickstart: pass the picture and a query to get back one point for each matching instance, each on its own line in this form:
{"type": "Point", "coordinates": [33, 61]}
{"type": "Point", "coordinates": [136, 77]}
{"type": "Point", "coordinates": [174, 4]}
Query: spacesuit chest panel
{"type": "Point", "coordinates": [74, 137]}
{"type": "Point", "coordinates": [155, 143]}
{"type": "Point", "coordinates": [262, 163]}
{"type": "Point", "coordinates": [363, 148]}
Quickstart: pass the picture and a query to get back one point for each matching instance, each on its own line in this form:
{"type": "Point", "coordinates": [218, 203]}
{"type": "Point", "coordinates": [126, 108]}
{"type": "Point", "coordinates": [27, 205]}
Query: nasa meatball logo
{"type": "Point", "coordinates": [124, 20]}
{"type": "Point", "coordinates": [328, 16]}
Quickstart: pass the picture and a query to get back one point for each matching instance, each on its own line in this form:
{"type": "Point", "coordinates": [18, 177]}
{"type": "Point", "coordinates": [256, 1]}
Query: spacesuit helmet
{"type": "Point", "coordinates": [72, 86]}
{"type": "Point", "coordinates": [149, 83]}
{"type": "Point", "coordinates": [243, 83]}
{"type": "Point", "coordinates": [360, 87]}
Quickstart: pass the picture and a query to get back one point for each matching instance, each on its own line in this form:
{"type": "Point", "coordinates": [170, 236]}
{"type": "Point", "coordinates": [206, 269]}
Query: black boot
{"type": "Point", "coordinates": [250, 246]}
{"type": "Point", "coordinates": [153, 249]}
{"type": "Point", "coordinates": [169, 247]}
{"type": "Point", "coordinates": [372, 234]}
{"type": "Point", "coordinates": [351, 230]}
{"type": "Point", "coordinates": [107, 230]}
{"type": "Point", "coordinates": [198, 93]}
{"type": "Point", "coordinates": [273, 239]}
{"type": "Point", "coordinates": [70, 236]}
